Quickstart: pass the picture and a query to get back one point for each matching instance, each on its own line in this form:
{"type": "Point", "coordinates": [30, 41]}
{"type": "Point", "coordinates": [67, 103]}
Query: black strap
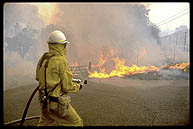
{"type": "Point", "coordinates": [45, 56]}
{"type": "Point", "coordinates": [54, 87]}
{"type": "Point", "coordinates": [46, 65]}
{"type": "Point", "coordinates": [53, 99]}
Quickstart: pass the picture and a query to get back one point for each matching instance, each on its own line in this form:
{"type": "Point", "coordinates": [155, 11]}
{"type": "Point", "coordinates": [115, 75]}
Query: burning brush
{"type": "Point", "coordinates": [103, 68]}
{"type": "Point", "coordinates": [122, 70]}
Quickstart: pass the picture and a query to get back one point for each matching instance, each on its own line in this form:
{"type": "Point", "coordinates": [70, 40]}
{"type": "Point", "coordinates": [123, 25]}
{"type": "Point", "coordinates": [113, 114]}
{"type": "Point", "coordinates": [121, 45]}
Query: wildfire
{"type": "Point", "coordinates": [120, 69]}
{"type": "Point", "coordinates": [47, 11]}
{"type": "Point", "coordinates": [181, 66]}
{"type": "Point", "coordinates": [143, 53]}
{"type": "Point", "coordinates": [103, 59]}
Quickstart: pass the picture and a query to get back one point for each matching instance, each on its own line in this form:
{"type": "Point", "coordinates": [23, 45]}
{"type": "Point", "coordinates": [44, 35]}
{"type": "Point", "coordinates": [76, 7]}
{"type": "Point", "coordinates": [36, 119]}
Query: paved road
{"type": "Point", "coordinates": [116, 102]}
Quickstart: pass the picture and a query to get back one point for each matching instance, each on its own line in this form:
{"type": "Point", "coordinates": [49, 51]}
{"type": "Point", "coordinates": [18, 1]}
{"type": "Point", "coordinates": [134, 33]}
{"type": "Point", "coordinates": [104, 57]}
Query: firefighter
{"type": "Point", "coordinates": [55, 81]}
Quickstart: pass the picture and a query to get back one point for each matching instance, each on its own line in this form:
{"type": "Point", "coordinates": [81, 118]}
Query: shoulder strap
{"type": "Point", "coordinates": [43, 58]}
{"type": "Point", "coordinates": [46, 65]}
{"type": "Point", "coordinates": [54, 87]}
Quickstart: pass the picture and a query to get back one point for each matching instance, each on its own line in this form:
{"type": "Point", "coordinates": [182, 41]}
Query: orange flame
{"type": "Point", "coordinates": [103, 59]}
{"type": "Point", "coordinates": [143, 52]}
{"type": "Point", "coordinates": [47, 11]}
{"type": "Point", "coordinates": [120, 69]}
{"type": "Point", "coordinates": [181, 66]}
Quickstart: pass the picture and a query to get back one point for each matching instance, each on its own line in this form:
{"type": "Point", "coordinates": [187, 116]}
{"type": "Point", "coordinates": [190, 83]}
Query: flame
{"type": "Point", "coordinates": [103, 59]}
{"type": "Point", "coordinates": [47, 11]}
{"type": "Point", "coordinates": [143, 52]}
{"type": "Point", "coordinates": [120, 69]}
{"type": "Point", "coordinates": [181, 66]}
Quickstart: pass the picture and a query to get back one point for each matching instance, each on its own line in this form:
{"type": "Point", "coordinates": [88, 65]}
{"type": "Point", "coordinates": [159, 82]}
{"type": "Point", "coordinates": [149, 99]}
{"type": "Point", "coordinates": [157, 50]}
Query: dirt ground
{"type": "Point", "coordinates": [115, 102]}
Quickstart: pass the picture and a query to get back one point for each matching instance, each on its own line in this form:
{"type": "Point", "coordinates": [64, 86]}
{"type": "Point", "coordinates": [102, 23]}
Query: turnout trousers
{"type": "Point", "coordinates": [52, 119]}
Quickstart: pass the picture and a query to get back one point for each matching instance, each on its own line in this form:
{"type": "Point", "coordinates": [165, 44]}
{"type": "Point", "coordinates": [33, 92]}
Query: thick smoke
{"type": "Point", "coordinates": [25, 14]}
{"type": "Point", "coordinates": [91, 29]}
{"type": "Point", "coordinates": [121, 27]}
{"type": "Point", "coordinates": [21, 40]}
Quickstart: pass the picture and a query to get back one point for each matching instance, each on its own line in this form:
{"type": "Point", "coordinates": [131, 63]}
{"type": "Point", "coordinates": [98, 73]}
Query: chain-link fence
{"type": "Point", "coordinates": [176, 46]}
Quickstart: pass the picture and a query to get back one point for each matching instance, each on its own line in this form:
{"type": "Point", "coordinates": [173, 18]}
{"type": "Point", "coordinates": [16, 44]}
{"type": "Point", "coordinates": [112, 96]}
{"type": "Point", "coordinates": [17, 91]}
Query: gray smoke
{"type": "Point", "coordinates": [91, 28]}
{"type": "Point", "coordinates": [123, 27]}
{"type": "Point", "coordinates": [25, 14]}
{"type": "Point", "coordinates": [173, 74]}
{"type": "Point", "coordinates": [21, 39]}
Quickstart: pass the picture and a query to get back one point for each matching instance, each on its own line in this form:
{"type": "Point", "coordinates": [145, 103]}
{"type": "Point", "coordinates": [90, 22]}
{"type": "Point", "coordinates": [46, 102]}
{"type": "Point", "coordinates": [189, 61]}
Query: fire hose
{"type": "Point", "coordinates": [29, 102]}
{"type": "Point", "coordinates": [25, 111]}
{"type": "Point", "coordinates": [27, 106]}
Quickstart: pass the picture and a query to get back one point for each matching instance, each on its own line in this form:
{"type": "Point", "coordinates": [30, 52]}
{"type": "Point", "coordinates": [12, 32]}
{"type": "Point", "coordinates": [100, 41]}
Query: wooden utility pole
{"type": "Point", "coordinates": [89, 66]}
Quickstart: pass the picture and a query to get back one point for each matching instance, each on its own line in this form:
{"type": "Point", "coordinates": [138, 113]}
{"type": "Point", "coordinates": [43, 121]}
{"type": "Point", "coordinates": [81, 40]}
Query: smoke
{"type": "Point", "coordinates": [21, 29]}
{"type": "Point", "coordinates": [17, 71]}
{"type": "Point", "coordinates": [121, 27]}
{"type": "Point", "coordinates": [22, 13]}
{"type": "Point", "coordinates": [91, 28]}
{"type": "Point", "coordinates": [173, 74]}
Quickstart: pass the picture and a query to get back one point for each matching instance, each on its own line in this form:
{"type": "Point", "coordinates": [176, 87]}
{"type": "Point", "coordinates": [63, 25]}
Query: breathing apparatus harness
{"type": "Point", "coordinates": [46, 97]}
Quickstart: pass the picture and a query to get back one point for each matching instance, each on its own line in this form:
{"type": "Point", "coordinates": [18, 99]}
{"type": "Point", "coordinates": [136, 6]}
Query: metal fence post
{"type": "Point", "coordinates": [185, 41]}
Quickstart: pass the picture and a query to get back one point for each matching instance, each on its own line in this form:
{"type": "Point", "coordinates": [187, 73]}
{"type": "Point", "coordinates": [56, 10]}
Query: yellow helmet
{"type": "Point", "coordinates": [57, 37]}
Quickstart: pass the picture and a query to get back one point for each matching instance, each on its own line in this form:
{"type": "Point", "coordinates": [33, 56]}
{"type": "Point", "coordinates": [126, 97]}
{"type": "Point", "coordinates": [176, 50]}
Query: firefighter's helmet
{"type": "Point", "coordinates": [57, 37]}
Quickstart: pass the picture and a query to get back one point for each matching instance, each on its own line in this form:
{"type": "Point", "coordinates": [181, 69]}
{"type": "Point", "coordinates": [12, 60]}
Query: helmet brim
{"type": "Point", "coordinates": [66, 42]}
